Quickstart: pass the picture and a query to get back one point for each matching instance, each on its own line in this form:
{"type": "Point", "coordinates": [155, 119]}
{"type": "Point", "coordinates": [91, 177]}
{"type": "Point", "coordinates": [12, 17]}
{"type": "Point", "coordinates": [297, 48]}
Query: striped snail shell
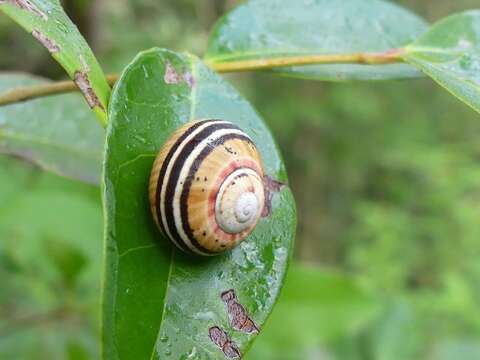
{"type": "Point", "coordinates": [206, 187]}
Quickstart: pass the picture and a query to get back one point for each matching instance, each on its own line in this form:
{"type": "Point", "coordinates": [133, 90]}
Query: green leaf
{"type": "Point", "coordinates": [56, 132]}
{"type": "Point", "coordinates": [49, 24]}
{"type": "Point", "coordinates": [316, 308]}
{"type": "Point", "coordinates": [262, 29]}
{"type": "Point", "coordinates": [450, 54]}
{"type": "Point", "coordinates": [41, 315]}
{"type": "Point", "coordinates": [157, 300]}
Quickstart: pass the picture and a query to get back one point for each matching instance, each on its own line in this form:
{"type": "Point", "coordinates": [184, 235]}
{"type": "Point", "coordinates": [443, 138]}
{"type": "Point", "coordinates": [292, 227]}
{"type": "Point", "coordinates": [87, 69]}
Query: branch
{"type": "Point", "coordinates": [389, 57]}
{"type": "Point", "coordinates": [23, 93]}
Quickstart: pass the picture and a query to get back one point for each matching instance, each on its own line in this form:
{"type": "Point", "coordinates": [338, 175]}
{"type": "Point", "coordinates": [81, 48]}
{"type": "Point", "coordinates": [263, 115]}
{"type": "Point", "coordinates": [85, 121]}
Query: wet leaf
{"type": "Point", "coordinates": [159, 302]}
{"type": "Point", "coordinates": [262, 29]}
{"type": "Point", "coordinates": [48, 23]}
{"type": "Point", "coordinates": [450, 54]}
{"type": "Point", "coordinates": [57, 132]}
{"type": "Point", "coordinates": [316, 308]}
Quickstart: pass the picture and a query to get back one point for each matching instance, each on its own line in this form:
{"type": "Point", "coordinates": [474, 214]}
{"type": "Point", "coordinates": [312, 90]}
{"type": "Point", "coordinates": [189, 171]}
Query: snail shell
{"type": "Point", "coordinates": [206, 187]}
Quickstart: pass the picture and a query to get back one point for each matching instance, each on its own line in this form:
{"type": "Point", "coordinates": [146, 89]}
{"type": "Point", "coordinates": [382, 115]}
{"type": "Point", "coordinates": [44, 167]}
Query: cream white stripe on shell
{"type": "Point", "coordinates": [169, 170]}
{"type": "Point", "coordinates": [184, 173]}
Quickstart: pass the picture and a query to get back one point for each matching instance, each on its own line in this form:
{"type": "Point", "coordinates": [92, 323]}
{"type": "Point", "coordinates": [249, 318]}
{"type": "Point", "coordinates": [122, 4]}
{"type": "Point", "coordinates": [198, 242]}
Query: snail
{"type": "Point", "coordinates": [206, 187]}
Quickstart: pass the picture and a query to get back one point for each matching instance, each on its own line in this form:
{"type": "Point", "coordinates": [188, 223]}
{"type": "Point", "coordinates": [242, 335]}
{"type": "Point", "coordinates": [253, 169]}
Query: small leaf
{"type": "Point", "coordinates": [157, 300]}
{"type": "Point", "coordinates": [316, 307]}
{"type": "Point", "coordinates": [48, 23]}
{"type": "Point", "coordinates": [57, 132]}
{"type": "Point", "coordinates": [450, 54]}
{"type": "Point", "coordinates": [262, 29]}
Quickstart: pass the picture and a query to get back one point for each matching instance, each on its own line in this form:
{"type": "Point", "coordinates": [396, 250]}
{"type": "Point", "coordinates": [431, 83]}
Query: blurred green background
{"type": "Point", "coordinates": [387, 183]}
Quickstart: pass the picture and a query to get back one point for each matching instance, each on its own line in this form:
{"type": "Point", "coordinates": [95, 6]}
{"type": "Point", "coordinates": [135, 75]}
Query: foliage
{"type": "Point", "coordinates": [385, 181]}
{"type": "Point", "coordinates": [150, 297]}
{"type": "Point", "coordinates": [450, 53]}
{"type": "Point", "coordinates": [63, 141]}
{"type": "Point", "coordinates": [262, 29]}
{"type": "Point", "coordinates": [48, 23]}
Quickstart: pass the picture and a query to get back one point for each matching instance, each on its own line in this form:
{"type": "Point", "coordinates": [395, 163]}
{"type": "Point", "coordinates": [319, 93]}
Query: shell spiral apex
{"type": "Point", "coordinates": [206, 187]}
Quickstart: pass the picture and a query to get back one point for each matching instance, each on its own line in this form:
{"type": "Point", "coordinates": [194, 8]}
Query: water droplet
{"type": "Point", "coordinates": [139, 138]}
{"type": "Point", "coordinates": [192, 354]}
{"type": "Point", "coordinates": [145, 72]}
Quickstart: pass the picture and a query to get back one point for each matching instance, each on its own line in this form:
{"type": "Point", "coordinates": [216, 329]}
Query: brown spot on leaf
{"type": "Point", "coordinates": [231, 350]}
{"type": "Point", "coordinates": [250, 327]}
{"type": "Point", "coordinates": [239, 319]}
{"type": "Point", "coordinates": [171, 76]}
{"type": "Point", "coordinates": [48, 43]}
{"type": "Point", "coordinates": [271, 186]}
{"type": "Point", "coordinates": [229, 295]}
{"type": "Point", "coordinates": [237, 314]}
{"type": "Point", "coordinates": [83, 83]}
{"type": "Point", "coordinates": [27, 5]}
{"type": "Point", "coordinates": [220, 338]}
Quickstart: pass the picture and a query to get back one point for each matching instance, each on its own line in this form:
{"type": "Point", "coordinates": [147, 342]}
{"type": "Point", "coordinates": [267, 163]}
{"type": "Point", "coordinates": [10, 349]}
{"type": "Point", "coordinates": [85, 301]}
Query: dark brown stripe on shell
{"type": "Point", "coordinates": [174, 178]}
{"type": "Point", "coordinates": [163, 170]}
{"type": "Point", "coordinates": [191, 175]}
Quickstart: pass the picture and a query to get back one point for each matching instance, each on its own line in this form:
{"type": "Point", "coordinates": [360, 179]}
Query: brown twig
{"type": "Point", "coordinates": [389, 57]}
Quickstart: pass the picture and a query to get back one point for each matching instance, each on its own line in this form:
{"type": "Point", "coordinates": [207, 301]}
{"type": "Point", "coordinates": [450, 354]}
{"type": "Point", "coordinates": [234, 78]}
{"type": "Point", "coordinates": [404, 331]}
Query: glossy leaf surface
{"type": "Point", "coordinates": [158, 302]}
{"type": "Point", "coordinates": [48, 23]}
{"type": "Point", "coordinates": [58, 133]}
{"type": "Point", "coordinates": [262, 29]}
{"type": "Point", "coordinates": [450, 54]}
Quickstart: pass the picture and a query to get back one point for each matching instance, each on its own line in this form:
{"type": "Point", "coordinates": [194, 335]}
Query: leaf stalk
{"type": "Point", "coordinates": [25, 93]}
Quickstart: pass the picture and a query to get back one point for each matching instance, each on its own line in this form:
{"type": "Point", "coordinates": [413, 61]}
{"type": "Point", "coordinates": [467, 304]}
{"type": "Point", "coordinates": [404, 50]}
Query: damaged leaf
{"type": "Point", "coordinates": [220, 338]}
{"type": "Point", "coordinates": [56, 132]}
{"type": "Point", "coordinates": [172, 300]}
{"type": "Point", "coordinates": [308, 27]}
{"type": "Point", "coordinates": [238, 316]}
{"type": "Point", "coordinates": [48, 23]}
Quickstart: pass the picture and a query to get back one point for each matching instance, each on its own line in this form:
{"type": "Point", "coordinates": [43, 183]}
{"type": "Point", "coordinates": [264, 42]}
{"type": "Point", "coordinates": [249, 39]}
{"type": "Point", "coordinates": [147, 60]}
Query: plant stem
{"type": "Point", "coordinates": [24, 93]}
{"type": "Point", "coordinates": [389, 57]}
